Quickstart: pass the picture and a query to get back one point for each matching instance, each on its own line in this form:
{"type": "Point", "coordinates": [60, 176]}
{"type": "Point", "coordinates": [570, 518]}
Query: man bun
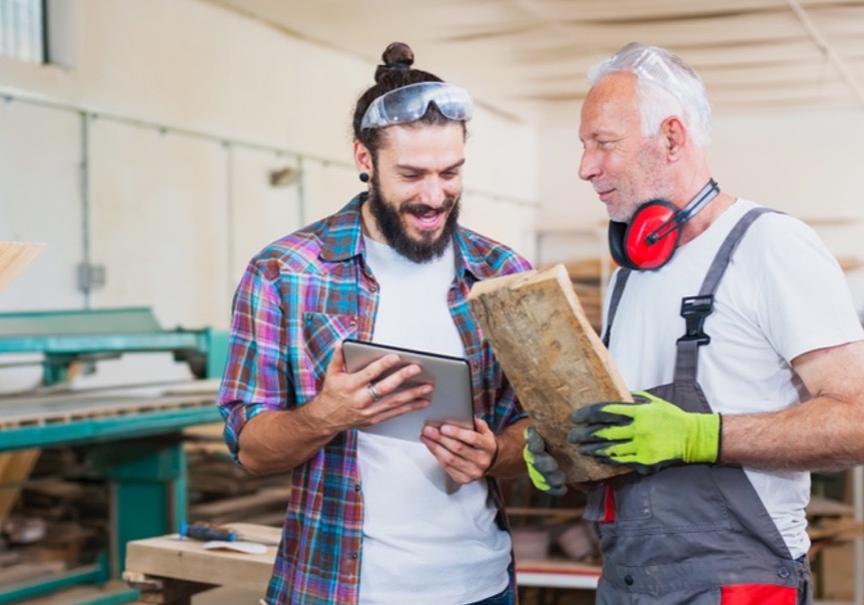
{"type": "Point", "coordinates": [397, 55]}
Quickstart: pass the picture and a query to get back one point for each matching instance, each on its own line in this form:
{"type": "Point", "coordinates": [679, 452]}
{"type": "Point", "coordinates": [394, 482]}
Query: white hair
{"type": "Point", "coordinates": [665, 86]}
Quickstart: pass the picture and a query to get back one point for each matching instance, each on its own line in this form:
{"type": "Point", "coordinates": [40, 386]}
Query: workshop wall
{"type": "Point", "coordinates": [174, 218]}
{"type": "Point", "coordinates": [806, 163]}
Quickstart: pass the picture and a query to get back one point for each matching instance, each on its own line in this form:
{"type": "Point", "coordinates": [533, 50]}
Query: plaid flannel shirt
{"type": "Point", "coordinates": [297, 299]}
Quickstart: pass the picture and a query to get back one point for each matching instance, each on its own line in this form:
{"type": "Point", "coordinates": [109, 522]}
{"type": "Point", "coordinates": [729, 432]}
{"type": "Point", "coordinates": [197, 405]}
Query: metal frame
{"type": "Point", "coordinates": [69, 335]}
{"type": "Point", "coordinates": [147, 479]}
{"type": "Point", "coordinates": [146, 476]}
{"type": "Point", "coordinates": [111, 428]}
{"type": "Point", "coordinates": [97, 573]}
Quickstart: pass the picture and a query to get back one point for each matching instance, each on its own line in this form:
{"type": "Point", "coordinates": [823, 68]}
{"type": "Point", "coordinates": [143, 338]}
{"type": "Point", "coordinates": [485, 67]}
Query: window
{"type": "Point", "coordinates": [23, 26]}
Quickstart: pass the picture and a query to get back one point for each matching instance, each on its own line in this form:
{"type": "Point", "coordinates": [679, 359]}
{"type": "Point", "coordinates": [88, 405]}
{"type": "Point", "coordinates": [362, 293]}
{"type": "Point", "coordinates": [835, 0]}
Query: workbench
{"type": "Point", "coordinates": [168, 570]}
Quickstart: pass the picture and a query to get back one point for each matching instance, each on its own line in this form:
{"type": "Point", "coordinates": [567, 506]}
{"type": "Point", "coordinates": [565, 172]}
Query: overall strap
{"type": "Point", "coordinates": [620, 283]}
{"type": "Point", "coordinates": [696, 309]}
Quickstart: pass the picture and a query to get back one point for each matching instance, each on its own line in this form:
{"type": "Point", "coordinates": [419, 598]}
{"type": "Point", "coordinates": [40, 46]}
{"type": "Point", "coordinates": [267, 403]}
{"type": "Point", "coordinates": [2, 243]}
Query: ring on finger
{"type": "Point", "coordinates": [373, 392]}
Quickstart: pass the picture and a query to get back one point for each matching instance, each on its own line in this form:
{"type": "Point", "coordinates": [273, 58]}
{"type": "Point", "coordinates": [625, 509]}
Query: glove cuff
{"type": "Point", "coordinates": [704, 444]}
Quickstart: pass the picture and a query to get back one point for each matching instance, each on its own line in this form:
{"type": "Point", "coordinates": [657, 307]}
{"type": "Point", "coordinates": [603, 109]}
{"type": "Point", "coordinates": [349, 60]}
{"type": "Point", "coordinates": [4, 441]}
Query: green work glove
{"type": "Point", "coordinates": [542, 468]}
{"type": "Point", "coordinates": [645, 435]}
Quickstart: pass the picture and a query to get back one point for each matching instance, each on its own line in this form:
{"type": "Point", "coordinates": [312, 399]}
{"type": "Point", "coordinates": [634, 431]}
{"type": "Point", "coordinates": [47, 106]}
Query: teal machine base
{"type": "Point", "coordinates": [139, 454]}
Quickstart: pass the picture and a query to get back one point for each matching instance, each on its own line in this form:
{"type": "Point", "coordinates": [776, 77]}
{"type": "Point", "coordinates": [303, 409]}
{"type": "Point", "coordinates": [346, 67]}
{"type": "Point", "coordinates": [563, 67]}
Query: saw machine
{"type": "Point", "coordinates": [132, 432]}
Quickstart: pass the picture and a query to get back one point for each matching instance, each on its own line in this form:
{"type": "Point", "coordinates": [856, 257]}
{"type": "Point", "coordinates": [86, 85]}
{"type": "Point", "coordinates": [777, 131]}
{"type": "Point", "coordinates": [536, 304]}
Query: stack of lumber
{"type": "Point", "coordinates": [832, 529]}
{"type": "Point", "coordinates": [59, 522]}
{"type": "Point", "coordinates": [221, 491]}
{"type": "Point", "coordinates": [831, 521]}
{"type": "Point", "coordinates": [266, 506]}
{"type": "Point", "coordinates": [590, 276]}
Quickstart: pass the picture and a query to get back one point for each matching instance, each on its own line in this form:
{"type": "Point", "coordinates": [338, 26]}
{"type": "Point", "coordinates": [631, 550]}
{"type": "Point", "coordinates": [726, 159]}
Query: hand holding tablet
{"type": "Point", "coordinates": [450, 377]}
{"type": "Point", "coordinates": [349, 400]}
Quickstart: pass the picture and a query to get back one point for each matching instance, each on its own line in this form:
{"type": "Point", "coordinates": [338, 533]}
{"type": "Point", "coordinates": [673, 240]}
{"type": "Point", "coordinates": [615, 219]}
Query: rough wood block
{"type": "Point", "coordinates": [551, 355]}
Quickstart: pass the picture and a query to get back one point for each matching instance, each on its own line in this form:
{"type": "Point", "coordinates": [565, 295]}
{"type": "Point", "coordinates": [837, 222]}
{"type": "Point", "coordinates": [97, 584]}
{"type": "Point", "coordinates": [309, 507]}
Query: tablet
{"type": "Point", "coordinates": [452, 400]}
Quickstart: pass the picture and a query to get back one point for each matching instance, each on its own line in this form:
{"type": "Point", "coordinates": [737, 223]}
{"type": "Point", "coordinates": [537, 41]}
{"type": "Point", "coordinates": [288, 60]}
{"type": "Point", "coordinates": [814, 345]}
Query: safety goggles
{"type": "Point", "coordinates": [649, 63]}
{"type": "Point", "coordinates": [410, 103]}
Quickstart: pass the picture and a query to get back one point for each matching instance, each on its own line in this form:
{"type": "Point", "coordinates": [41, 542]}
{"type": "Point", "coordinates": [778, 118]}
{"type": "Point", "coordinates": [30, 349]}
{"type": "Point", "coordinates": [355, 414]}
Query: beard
{"type": "Point", "coordinates": [390, 223]}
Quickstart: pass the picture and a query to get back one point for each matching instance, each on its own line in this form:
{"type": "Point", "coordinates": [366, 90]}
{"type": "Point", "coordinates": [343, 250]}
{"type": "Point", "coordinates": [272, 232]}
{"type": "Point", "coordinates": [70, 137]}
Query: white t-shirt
{"type": "Point", "coordinates": [425, 539]}
{"type": "Point", "coordinates": [783, 295]}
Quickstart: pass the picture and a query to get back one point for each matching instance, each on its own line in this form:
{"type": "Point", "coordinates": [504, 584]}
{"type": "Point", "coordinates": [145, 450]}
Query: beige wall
{"type": "Point", "coordinates": [806, 163]}
{"type": "Point", "coordinates": [175, 218]}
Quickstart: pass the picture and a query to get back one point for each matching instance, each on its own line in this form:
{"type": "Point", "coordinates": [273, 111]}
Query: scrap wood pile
{"type": "Point", "coordinates": [833, 529]}
{"type": "Point", "coordinates": [831, 522]}
{"type": "Point", "coordinates": [58, 521]}
{"type": "Point", "coordinates": [221, 491]}
{"type": "Point", "coordinates": [549, 528]}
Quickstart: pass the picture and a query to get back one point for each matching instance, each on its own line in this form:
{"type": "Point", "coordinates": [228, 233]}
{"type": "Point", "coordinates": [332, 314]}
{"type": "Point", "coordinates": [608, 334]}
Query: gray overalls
{"type": "Point", "coordinates": [696, 533]}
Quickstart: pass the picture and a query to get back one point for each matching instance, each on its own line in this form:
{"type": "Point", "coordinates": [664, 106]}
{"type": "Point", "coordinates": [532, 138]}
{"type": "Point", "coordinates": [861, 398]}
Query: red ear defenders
{"type": "Point", "coordinates": [649, 240]}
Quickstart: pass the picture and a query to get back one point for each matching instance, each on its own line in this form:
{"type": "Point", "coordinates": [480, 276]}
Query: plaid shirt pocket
{"type": "Point", "coordinates": [321, 333]}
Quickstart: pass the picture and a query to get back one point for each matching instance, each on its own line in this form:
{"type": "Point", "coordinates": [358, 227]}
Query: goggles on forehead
{"type": "Point", "coordinates": [660, 68]}
{"type": "Point", "coordinates": [410, 103]}
{"type": "Point", "coordinates": [651, 64]}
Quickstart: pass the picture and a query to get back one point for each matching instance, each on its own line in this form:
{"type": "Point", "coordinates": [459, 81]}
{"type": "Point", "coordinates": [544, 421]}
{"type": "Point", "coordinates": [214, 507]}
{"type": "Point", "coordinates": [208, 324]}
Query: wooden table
{"type": "Point", "coordinates": [169, 571]}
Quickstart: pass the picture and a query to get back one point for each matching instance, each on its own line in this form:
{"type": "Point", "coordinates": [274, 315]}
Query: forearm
{"type": "Point", "coordinates": [275, 442]}
{"type": "Point", "coordinates": [509, 462]}
{"type": "Point", "coordinates": [823, 433]}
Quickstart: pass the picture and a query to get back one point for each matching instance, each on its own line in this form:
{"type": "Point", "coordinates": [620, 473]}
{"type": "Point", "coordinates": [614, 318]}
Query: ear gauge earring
{"type": "Point", "coordinates": [364, 177]}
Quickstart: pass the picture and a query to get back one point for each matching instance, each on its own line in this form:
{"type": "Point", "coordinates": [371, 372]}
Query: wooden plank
{"type": "Point", "coordinates": [15, 467]}
{"type": "Point", "coordinates": [171, 557]}
{"type": "Point", "coordinates": [825, 507]}
{"type": "Point", "coordinates": [558, 566]}
{"type": "Point", "coordinates": [14, 256]}
{"type": "Point", "coordinates": [253, 532]}
{"type": "Point", "coordinates": [206, 438]}
{"type": "Point", "coordinates": [840, 530]}
{"type": "Point", "coordinates": [27, 572]}
{"type": "Point", "coordinates": [551, 355]}
{"type": "Point", "coordinates": [63, 407]}
{"type": "Point", "coordinates": [214, 511]}
{"type": "Point", "coordinates": [554, 515]}
{"type": "Point", "coordinates": [151, 560]}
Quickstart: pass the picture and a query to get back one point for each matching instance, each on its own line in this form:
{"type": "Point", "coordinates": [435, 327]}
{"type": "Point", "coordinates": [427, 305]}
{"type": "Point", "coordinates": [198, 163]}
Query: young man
{"type": "Point", "coordinates": [745, 345]}
{"type": "Point", "coordinates": [373, 519]}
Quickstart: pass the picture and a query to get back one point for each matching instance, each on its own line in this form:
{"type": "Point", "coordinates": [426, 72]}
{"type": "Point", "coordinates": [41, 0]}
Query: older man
{"type": "Point", "coordinates": [737, 326]}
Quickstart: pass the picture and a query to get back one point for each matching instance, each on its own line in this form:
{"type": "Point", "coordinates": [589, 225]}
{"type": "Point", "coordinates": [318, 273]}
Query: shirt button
{"type": "Point", "coordinates": [628, 580]}
{"type": "Point", "coordinates": [356, 487]}
{"type": "Point", "coordinates": [373, 287]}
{"type": "Point", "coordinates": [354, 556]}
{"type": "Point", "coordinates": [783, 573]}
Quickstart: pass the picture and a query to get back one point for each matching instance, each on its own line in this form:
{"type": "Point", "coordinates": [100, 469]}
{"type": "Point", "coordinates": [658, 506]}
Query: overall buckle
{"type": "Point", "coordinates": [694, 310]}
